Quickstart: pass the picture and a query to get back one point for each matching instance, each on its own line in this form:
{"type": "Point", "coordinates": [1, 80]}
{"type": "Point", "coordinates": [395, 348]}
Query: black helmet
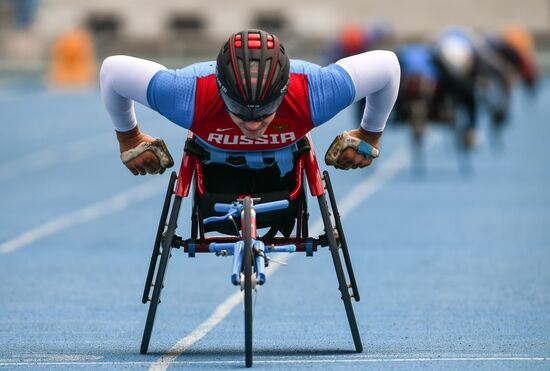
{"type": "Point", "coordinates": [252, 74]}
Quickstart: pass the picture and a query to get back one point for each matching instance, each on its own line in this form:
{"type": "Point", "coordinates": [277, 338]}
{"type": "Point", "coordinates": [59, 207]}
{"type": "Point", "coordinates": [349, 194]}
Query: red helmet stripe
{"type": "Point", "coordinates": [273, 67]}
{"type": "Point", "coordinates": [234, 64]}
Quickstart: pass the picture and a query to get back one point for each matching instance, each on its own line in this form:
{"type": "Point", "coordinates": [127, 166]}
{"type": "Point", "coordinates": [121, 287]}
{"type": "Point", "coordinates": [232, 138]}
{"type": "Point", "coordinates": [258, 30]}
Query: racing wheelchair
{"type": "Point", "coordinates": [234, 211]}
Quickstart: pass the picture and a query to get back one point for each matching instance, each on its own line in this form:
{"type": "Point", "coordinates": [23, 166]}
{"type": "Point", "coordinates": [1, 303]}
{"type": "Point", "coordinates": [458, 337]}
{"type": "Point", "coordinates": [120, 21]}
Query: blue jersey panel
{"type": "Point", "coordinates": [331, 89]}
{"type": "Point", "coordinates": [172, 92]}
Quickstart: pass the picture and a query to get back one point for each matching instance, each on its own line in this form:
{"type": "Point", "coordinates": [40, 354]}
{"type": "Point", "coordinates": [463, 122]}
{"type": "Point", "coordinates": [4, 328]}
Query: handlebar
{"type": "Point", "coordinates": [270, 206]}
{"type": "Point", "coordinates": [234, 209]}
{"type": "Point", "coordinates": [216, 218]}
{"type": "Point", "coordinates": [222, 208]}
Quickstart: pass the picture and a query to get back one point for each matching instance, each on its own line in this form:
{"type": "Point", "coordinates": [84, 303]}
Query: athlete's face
{"type": "Point", "coordinates": [252, 129]}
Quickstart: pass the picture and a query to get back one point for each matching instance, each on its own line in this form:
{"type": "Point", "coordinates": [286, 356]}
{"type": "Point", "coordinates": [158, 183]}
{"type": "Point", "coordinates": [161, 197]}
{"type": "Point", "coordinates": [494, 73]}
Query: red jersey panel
{"type": "Point", "coordinates": [212, 123]}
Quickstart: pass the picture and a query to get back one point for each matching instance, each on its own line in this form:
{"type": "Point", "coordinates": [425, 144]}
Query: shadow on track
{"type": "Point", "coordinates": [258, 351]}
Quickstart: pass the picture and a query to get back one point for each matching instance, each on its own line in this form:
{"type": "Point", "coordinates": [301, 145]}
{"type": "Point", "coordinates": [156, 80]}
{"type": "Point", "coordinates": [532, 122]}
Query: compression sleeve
{"type": "Point", "coordinates": [123, 80]}
{"type": "Point", "coordinates": [375, 75]}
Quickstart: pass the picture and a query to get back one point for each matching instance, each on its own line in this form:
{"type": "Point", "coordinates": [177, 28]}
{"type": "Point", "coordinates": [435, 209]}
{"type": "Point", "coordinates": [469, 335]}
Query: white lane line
{"type": "Point", "coordinates": [258, 360]}
{"type": "Point", "coordinates": [50, 157]}
{"type": "Point", "coordinates": [204, 328]}
{"type": "Point", "coordinates": [362, 191]}
{"type": "Point", "coordinates": [116, 203]}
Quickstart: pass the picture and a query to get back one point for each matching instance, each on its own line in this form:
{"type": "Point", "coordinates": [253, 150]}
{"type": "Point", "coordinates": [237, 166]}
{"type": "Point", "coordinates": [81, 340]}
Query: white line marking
{"type": "Point", "coordinates": [204, 328]}
{"type": "Point", "coordinates": [49, 157]}
{"type": "Point", "coordinates": [362, 191]}
{"type": "Point", "coordinates": [258, 360]}
{"type": "Point", "coordinates": [117, 203]}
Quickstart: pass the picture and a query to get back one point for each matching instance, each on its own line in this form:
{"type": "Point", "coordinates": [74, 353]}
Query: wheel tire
{"type": "Point", "coordinates": [159, 279]}
{"type": "Point", "coordinates": [341, 235]}
{"type": "Point", "coordinates": [247, 270]}
{"type": "Point", "coordinates": [343, 287]}
{"type": "Point", "coordinates": [158, 237]}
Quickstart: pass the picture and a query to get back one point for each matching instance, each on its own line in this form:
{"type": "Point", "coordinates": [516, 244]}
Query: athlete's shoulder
{"type": "Point", "coordinates": [315, 71]}
{"type": "Point", "coordinates": [174, 92]}
{"type": "Point", "coordinates": [200, 69]}
{"type": "Point", "coordinates": [329, 88]}
{"type": "Point", "coordinates": [303, 67]}
{"type": "Point", "coordinates": [181, 78]}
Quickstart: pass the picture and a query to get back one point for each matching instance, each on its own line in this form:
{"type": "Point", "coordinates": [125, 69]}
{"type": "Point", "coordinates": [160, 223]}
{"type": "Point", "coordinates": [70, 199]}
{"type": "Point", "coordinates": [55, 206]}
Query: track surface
{"type": "Point", "coordinates": [453, 267]}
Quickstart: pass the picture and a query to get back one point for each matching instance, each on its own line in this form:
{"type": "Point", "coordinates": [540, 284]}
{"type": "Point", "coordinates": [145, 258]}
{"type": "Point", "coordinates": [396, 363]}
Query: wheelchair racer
{"type": "Point", "coordinates": [515, 46]}
{"type": "Point", "coordinates": [463, 61]}
{"type": "Point", "coordinates": [355, 39]}
{"type": "Point", "coordinates": [253, 101]}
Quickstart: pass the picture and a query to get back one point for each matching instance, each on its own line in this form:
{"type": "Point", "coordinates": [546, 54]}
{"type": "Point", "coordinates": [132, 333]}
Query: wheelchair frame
{"type": "Point", "coordinates": [166, 238]}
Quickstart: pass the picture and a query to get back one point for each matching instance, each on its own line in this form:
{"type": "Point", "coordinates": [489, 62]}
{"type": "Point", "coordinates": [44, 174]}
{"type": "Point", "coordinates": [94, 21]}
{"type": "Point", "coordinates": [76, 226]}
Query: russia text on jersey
{"type": "Point", "coordinates": [279, 138]}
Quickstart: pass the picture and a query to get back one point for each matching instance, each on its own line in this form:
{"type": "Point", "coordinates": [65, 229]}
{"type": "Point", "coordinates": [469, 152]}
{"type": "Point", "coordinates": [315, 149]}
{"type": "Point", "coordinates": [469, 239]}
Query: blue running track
{"type": "Point", "coordinates": [453, 267]}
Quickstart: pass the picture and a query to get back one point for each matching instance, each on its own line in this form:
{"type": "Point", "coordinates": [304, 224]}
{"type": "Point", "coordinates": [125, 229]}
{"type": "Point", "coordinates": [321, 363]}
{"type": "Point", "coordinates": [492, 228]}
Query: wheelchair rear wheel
{"type": "Point", "coordinates": [247, 270]}
{"type": "Point", "coordinates": [159, 279]}
{"type": "Point", "coordinates": [344, 287]}
{"type": "Point", "coordinates": [158, 237]}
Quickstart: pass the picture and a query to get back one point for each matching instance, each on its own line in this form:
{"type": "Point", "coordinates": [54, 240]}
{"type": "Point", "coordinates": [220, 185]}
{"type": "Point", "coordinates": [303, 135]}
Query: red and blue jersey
{"type": "Point", "coordinates": [189, 97]}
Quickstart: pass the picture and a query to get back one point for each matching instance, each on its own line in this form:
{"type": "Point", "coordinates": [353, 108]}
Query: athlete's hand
{"type": "Point", "coordinates": [350, 158]}
{"type": "Point", "coordinates": [145, 163]}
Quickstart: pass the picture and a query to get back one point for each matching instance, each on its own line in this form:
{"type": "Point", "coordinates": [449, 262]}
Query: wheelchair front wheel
{"type": "Point", "coordinates": [247, 270]}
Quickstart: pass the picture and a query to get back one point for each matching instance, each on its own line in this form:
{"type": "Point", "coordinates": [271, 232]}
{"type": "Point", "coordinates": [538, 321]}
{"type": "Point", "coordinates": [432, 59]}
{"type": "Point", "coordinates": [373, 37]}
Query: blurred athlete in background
{"type": "Point", "coordinates": [462, 61]}
{"type": "Point", "coordinates": [355, 39]}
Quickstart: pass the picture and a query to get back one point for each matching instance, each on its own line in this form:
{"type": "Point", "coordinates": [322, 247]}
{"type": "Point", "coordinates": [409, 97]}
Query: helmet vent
{"type": "Point", "coordinates": [254, 67]}
{"type": "Point", "coordinates": [242, 74]}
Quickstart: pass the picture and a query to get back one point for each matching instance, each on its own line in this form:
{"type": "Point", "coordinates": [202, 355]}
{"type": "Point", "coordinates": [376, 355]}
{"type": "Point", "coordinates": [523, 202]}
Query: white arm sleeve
{"type": "Point", "coordinates": [376, 76]}
{"type": "Point", "coordinates": [124, 80]}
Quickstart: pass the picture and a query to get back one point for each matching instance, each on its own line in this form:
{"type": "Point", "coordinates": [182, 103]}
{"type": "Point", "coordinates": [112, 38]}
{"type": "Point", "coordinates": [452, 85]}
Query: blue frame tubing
{"type": "Point", "coordinates": [248, 255]}
{"type": "Point", "coordinates": [237, 248]}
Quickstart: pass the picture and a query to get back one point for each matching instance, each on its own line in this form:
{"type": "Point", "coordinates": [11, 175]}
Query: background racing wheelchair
{"type": "Point", "coordinates": [235, 202]}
